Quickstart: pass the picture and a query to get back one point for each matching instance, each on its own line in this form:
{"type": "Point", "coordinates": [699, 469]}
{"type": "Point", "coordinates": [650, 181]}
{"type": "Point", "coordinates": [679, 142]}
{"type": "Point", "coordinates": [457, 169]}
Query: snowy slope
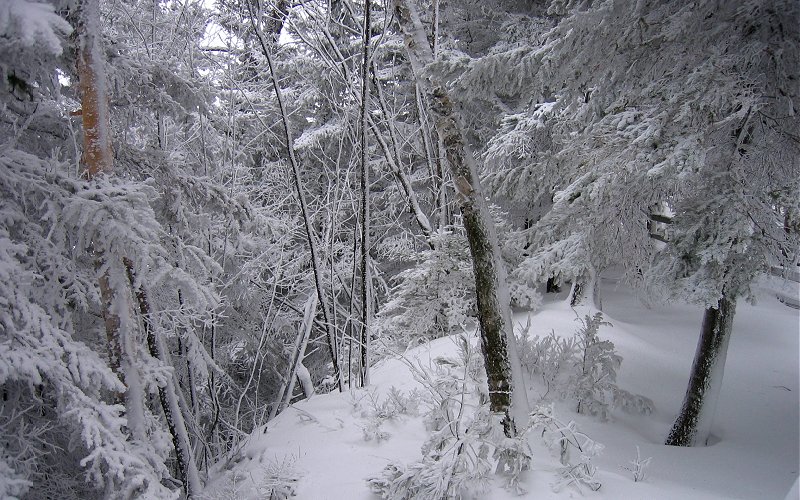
{"type": "Point", "coordinates": [754, 454]}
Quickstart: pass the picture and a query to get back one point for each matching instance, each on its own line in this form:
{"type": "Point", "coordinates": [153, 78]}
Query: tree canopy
{"type": "Point", "coordinates": [299, 188]}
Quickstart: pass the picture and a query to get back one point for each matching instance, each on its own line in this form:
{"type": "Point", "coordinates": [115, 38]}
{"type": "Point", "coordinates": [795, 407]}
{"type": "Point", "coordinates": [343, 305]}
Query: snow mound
{"type": "Point", "coordinates": [326, 447]}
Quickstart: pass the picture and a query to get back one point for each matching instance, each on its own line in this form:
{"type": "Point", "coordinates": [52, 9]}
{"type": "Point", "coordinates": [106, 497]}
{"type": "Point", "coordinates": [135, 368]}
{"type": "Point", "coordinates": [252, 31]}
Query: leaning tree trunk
{"type": "Point", "coordinates": [316, 264]}
{"type": "Point", "coordinates": [507, 395]}
{"type": "Point", "coordinates": [693, 425]}
{"type": "Point", "coordinates": [296, 365]}
{"type": "Point", "coordinates": [184, 454]}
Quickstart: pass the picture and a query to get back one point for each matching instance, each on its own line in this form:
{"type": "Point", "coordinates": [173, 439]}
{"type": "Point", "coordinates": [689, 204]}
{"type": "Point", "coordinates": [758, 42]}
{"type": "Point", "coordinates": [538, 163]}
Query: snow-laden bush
{"type": "Point", "coordinates": [376, 411]}
{"type": "Point", "coordinates": [276, 479]}
{"type": "Point", "coordinates": [279, 479]}
{"type": "Point", "coordinates": [582, 368]}
{"type": "Point", "coordinates": [465, 443]}
{"type": "Point", "coordinates": [436, 297]}
{"type": "Point", "coordinates": [566, 438]}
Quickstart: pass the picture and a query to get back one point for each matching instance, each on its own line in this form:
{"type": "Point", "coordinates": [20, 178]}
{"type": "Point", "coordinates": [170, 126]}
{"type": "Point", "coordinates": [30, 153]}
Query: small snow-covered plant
{"type": "Point", "coordinates": [279, 479]}
{"type": "Point", "coordinates": [457, 458]}
{"type": "Point", "coordinates": [638, 466]}
{"type": "Point", "coordinates": [395, 404]}
{"type": "Point", "coordinates": [594, 383]}
{"type": "Point", "coordinates": [566, 438]}
{"type": "Point", "coordinates": [551, 359]}
{"type": "Point", "coordinates": [450, 468]}
{"type": "Point", "coordinates": [373, 430]}
{"type": "Point", "coordinates": [596, 368]}
{"type": "Point", "coordinates": [435, 297]}
{"type": "Point", "coordinates": [513, 457]}
{"type": "Point", "coordinates": [378, 411]}
{"type": "Point", "coordinates": [582, 368]}
{"type": "Point", "coordinates": [275, 480]}
{"type": "Point", "coordinates": [404, 403]}
{"type": "Point", "coordinates": [230, 489]}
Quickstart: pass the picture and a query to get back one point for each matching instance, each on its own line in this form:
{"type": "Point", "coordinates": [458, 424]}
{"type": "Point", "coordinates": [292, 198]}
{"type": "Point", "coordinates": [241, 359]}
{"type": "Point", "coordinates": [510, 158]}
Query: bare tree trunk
{"type": "Point", "coordinates": [507, 394]}
{"type": "Point", "coordinates": [169, 399]}
{"type": "Point", "coordinates": [434, 159]}
{"type": "Point", "coordinates": [98, 156]}
{"type": "Point", "coordinates": [365, 239]}
{"type": "Point", "coordinates": [287, 388]}
{"type": "Point", "coordinates": [435, 29]}
{"type": "Point", "coordinates": [587, 285]}
{"type": "Point", "coordinates": [277, 17]}
{"type": "Point", "coordinates": [309, 230]}
{"type": "Point", "coordinates": [693, 425]}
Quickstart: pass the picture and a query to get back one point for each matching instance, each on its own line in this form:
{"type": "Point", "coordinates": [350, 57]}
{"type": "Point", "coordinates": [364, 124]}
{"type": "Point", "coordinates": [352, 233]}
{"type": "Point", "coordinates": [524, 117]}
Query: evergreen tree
{"type": "Point", "coordinates": [707, 133]}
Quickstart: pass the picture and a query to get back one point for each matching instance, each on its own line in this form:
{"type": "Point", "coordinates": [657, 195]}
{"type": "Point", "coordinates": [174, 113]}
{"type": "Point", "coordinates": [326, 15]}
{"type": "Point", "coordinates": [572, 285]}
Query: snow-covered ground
{"type": "Point", "coordinates": [753, 452]}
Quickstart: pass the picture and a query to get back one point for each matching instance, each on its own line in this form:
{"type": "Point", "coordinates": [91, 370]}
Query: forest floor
{"type": "Point", "coordinates": [318, 446]}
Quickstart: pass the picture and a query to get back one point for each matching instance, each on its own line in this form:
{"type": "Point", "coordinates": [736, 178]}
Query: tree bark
{"type": "Point", "coordinates": [507, 394]}
{"type": "Point", "coordinates": [693, 425]}
{"type": "Point", "coordinates": [587, 285]}
{"type": "Point", "coordinates": [169, 399]}
{"type": "Point", "coordinates": [434, 159]}
{"type": "Point", "coordinates": [365, 240]}
{"type": "Point", "coordinates": [98, 157]}
{"type": "Point", "coordinates": [287, 388]}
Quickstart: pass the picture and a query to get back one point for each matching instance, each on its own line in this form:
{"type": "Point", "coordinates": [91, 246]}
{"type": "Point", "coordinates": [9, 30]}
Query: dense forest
{"type": "Point", "coordinates": [212, 209]}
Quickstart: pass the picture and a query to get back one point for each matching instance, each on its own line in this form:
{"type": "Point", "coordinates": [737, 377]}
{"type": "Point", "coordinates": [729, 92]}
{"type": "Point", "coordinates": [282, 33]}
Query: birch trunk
{"type": "Point", "coordinates": [507, 395]}
{"type": "Point", "coordinates": [98, 160]}
{"type": "Point", "coordinates": [693, 425]}
{"type": "Point", "coordinates": [434, 159]}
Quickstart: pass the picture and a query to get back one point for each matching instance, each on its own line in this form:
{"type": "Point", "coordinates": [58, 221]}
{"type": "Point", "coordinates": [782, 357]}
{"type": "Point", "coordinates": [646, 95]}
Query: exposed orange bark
{"type": "Point", "coordinates": [98, 156]}
{"type": "Point", "coordinates": [97, 152]}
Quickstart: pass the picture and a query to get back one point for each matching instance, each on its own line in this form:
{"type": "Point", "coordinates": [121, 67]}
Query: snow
{"type": "Point", "coordinates": [32, 22]}
{"type": "Point", "coordinates": [753, 452]}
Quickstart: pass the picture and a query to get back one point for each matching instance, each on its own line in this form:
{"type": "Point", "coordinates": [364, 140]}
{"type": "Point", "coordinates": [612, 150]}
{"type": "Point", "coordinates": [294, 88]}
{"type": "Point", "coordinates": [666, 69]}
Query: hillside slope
{"type": "Point", "coordinates": [324, 448]}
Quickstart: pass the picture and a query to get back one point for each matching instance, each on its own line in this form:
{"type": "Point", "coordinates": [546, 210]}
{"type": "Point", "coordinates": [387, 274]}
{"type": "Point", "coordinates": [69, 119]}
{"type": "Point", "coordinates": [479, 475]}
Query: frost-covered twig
{"type": "Point", "coordinates": [638, 466]}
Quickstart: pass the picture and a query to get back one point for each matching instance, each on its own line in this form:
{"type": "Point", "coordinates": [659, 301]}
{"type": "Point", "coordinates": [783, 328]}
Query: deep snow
{"type": "Point", "coordinates": [753, 452]}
